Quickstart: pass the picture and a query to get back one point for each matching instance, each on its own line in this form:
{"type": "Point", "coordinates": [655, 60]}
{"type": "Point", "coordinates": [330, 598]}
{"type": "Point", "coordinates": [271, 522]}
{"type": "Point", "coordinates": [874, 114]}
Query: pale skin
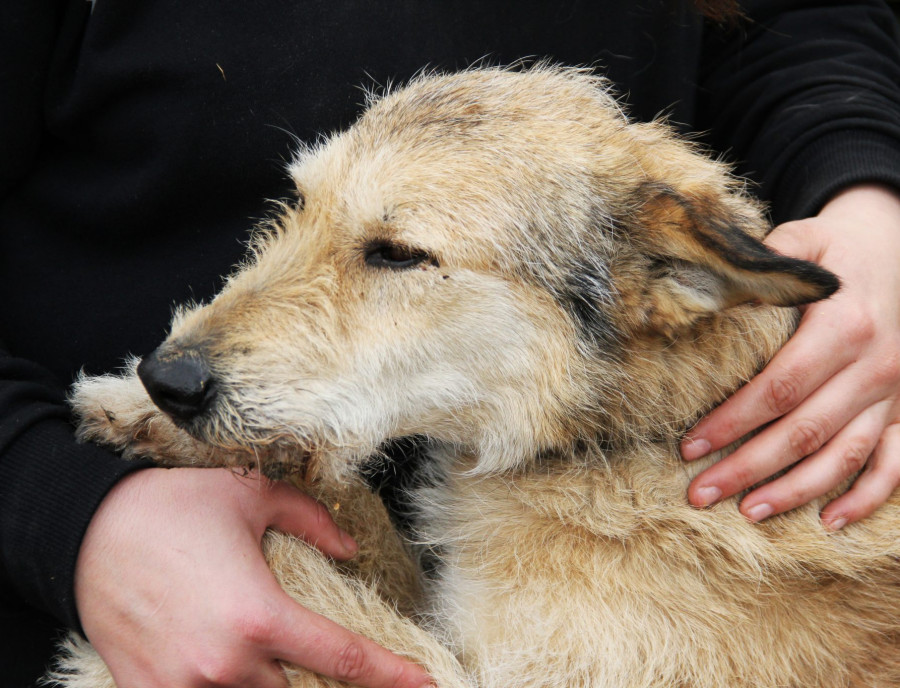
{"type": "Point", "coordinates": [206, 611]}
{"type": "Point", "coordinates": [832, 394]}
{"type": "Point", "coordinates": [173, 590]}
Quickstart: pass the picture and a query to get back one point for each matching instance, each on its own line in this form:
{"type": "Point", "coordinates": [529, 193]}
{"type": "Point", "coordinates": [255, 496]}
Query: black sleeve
{"type": "Point", "coordinates": [805, 97]}
{"type": "Point", "coordinates": [51, 485]}
{"type": "Point", "coordinates": [50, 489]}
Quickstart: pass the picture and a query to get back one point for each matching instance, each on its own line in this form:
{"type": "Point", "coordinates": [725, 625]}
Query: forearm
{"type": "Point", "coordinates": [804, 98]}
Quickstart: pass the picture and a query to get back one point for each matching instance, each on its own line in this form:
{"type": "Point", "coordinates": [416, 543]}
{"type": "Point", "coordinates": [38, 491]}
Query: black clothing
{"type": "Point", "coordinates": [141, 140]}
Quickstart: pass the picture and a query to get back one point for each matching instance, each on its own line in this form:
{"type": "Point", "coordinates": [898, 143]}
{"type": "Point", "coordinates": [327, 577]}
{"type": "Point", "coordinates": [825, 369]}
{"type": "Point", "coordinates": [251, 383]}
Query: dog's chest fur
{"type": "Point", "coordinates": [598, 573]}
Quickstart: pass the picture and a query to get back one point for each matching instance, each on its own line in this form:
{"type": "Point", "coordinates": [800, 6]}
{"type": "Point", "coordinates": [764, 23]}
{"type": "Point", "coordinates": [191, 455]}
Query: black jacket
{"type": "Point", "coordinates": [140, 141]}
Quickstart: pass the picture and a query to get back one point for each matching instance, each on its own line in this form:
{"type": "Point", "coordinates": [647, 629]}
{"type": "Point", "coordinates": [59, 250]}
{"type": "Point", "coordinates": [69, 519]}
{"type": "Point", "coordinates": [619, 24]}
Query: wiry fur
{"type": "Point", "coordinates": [585, 289]}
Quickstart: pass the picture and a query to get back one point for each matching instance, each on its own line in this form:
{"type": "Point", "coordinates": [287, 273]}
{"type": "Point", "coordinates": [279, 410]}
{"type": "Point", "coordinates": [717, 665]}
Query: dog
{"type": "Point", "coordinates": [500, 262]}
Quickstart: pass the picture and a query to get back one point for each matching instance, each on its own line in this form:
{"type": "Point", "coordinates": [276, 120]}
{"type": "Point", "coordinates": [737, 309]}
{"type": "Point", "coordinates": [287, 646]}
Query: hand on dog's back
{"type": "Point", "coordinates": [180, 593]}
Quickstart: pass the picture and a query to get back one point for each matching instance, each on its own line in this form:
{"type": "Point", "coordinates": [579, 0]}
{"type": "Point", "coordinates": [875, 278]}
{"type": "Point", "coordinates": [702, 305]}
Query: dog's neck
{"type": "Point", "coordinates": [658, 389]}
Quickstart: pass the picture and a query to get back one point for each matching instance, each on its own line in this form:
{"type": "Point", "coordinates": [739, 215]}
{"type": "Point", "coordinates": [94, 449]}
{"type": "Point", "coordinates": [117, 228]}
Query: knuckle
{"type": "Point", "coordinates": [742, 477]}
{"type": "Point", "coordinates": [351, 663]}
{"type": "Point", "coordinates": [254, 624]}
{"type": "Point", "coordinates": [406, 675]}
{"type": "Point", "coordinates": [322, 519]}
{"type": "Point", "coordinates": [796, 495]}
{"type": "Point", "coordinates": [807, 436]}
{"type": "Point", "coordinates": [891, 435]}
{"type": "Point", "coordinates": [218, 669]}
{"type": "Point", "coordinates": [782, 393]}
{"type": "Point", "coordinates": [891, 473]}
{"type": "Point", "coordinates": [859, 329]}
{"type": "Point", "coordinates": [853, 458]}
{"type": "Point", "coordinates": [856, 504]}
{"type": "Point", "coordinates": [887, 373]}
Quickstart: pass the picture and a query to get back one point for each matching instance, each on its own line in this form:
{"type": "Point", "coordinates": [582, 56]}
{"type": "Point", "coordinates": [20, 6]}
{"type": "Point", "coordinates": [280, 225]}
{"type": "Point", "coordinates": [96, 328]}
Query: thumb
{"type": "Point", "coordinates": [798, 239]}
{"type": "Point", "coordinates": [293, 512]}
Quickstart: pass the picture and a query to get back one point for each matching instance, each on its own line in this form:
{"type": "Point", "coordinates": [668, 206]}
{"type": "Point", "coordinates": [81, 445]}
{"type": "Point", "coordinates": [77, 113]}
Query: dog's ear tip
{"type": "Point", "coordinates": [800, 282]}
{"type": "Point", "coordinates": [825, 282]}
{"type": "Point", "coordinates": [717, 260]}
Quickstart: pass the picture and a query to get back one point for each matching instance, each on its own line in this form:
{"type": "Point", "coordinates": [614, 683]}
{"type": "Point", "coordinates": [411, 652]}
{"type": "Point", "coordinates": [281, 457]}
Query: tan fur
{"type": "Point", "coordinates": [587, 289]}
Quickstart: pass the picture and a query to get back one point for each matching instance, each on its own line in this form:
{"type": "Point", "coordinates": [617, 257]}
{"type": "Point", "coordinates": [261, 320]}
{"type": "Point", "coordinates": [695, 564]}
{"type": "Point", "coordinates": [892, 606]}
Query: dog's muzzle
{"type": "Point", "coordinates": [179, 382]}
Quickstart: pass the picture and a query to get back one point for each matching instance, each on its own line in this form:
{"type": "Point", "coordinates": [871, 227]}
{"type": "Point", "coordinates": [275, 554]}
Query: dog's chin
{"type": "Point", "coordinates": [274, 461]}
{"type": "Point", "coordinates": [290, 454]}
{"type": "Point", "coordinates": [298, 467]}
{"type": "Point", "coordinates": [281, 455]}
{"type": "Point", "coordinates": [278, 457]}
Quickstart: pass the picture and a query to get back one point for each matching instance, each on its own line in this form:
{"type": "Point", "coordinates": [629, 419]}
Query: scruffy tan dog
{"type": "Point", "coordinates": [500, 262]}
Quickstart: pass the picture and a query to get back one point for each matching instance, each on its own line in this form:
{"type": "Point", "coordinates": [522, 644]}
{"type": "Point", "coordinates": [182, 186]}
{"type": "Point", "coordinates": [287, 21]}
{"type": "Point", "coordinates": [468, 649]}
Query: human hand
{"type": "Point", "coordinates": [173, 590]}
{"type": "Point", "coordinates": [833, 390]}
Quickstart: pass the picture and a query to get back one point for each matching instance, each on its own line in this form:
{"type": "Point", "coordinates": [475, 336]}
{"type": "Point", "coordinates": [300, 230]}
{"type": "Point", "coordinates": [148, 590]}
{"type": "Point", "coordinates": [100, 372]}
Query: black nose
{"type": "Point", "coordinates": [179, 382]}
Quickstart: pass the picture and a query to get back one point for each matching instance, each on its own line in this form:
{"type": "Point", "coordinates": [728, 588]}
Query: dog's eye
{"type": "Point", "coordinates": [386, 254]}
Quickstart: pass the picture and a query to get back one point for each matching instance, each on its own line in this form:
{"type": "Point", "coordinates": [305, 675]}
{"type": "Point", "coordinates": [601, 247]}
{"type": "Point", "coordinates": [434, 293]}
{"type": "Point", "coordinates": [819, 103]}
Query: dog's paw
{"type": "Point", "coordinates": [115, 411]}
{"type": "Point", "coordinates": [79, 666]}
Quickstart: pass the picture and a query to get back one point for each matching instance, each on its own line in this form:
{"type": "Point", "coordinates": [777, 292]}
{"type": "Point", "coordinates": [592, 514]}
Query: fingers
{"type": "Point", "coordinates": [303, 516]}
{"type": "Point", "coordinates": [174, 590]}
{"type": "Point", "coordinates": [313, 642]}
{"type": "Point", "coordinates": [278, 505]}
{"type": "Point", "coordinates": [790, 378]}
{"type": "Point", "coordinates": [841, 458]}
{"type": "Point", "coordinates": [294, 634]}
{"type": "Point", "coordinates": [800, 434]}
{"type": "Point", "coordinates": [873, 486]}
{"type": "Point", "coordinates": [251, 633]}
{"type": "Point", "coordinates": [868, 442]}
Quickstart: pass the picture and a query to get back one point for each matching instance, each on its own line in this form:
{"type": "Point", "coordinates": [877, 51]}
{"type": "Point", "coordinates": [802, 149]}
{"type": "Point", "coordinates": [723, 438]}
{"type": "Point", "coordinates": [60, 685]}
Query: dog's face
{"type": "Point", "coordinates": [477, 260]}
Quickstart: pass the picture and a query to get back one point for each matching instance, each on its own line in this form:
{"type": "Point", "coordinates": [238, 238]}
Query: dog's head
{"type": "Point", "coordinates": [497, 260]}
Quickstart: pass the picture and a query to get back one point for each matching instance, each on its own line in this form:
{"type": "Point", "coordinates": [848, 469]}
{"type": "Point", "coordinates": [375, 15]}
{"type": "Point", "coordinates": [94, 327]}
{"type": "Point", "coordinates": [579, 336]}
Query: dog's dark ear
{"type": "Point", "coordinates": [703, 261]}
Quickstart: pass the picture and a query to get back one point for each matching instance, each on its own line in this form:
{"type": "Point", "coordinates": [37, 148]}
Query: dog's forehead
{"type": "Point", "coordinates": [456, 131]}
{"type": "Point", "coordinates": [489, 169]}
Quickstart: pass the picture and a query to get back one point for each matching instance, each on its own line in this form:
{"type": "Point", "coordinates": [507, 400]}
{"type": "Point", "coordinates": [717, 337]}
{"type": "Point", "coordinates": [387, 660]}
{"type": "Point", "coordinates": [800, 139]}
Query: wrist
{"type": "Point", "coordinates": [864, 198]}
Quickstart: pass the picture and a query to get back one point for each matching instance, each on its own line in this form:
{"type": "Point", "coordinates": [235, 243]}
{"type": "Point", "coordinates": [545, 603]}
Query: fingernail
{"type": "Point", "coordinates": [349, 543]}
{"type": "Point", "coordinates": [837, 523]}
{"type": "Point", "coordinates": [694, 449]}
{"type": "Point", "coordinates": [759, 512]}
{"type": "Point", "coordinates": [707, 495]}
